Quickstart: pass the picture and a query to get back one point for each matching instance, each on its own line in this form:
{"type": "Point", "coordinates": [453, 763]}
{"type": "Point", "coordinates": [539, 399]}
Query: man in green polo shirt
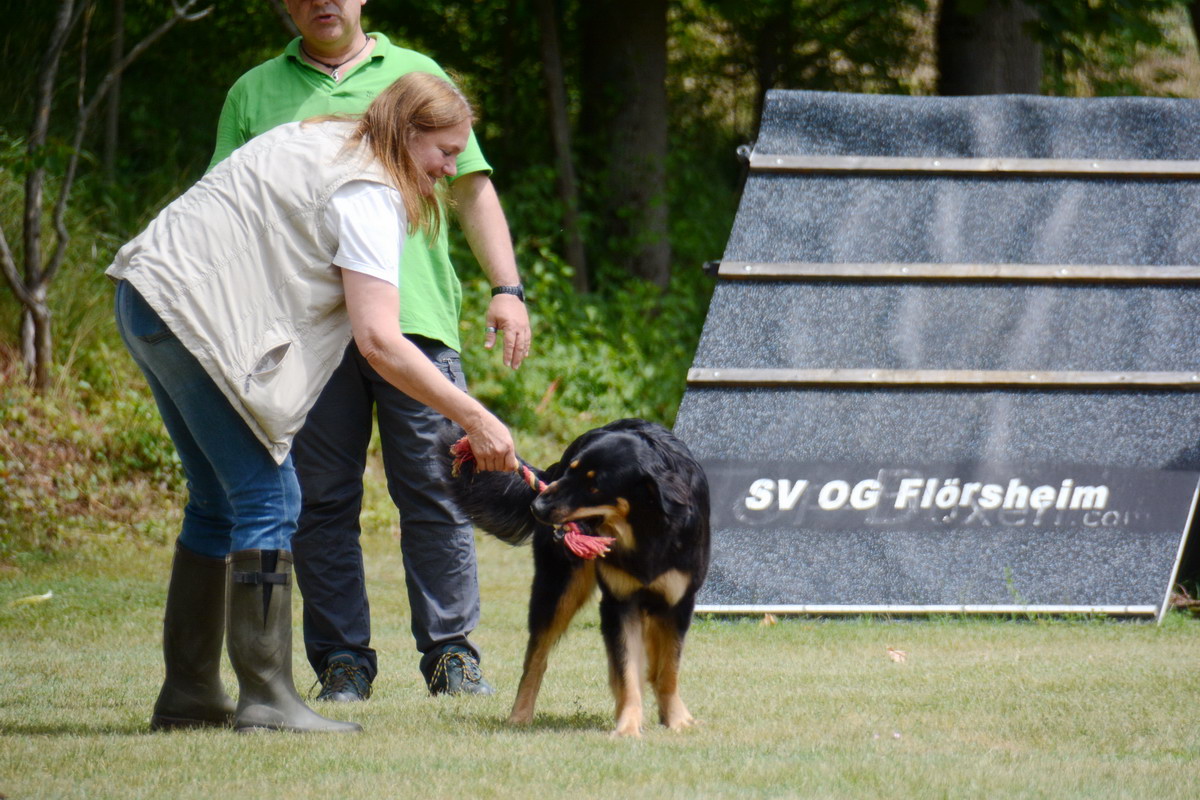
{"type": "Point", "coordinates": [334, 67]}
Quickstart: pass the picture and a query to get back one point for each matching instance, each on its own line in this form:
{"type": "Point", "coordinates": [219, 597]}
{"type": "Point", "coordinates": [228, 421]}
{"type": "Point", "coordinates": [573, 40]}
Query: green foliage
{"type": "Point", "coordinates": [1065, 24]}
{"type": "Point", "coordinates": [1092, 48]}
{"type": "Point", "coordinates": [16, 158]}
{"type": "Point", "coordinates": [838, 45]}
{"type": "Point", "coordinates": [1107, 55]}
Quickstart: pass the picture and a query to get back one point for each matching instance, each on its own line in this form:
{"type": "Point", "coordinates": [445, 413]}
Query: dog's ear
{"type": "Point", "coordinates": [674, 498]}
{"type": "Point", "coordinates": [674, 491]}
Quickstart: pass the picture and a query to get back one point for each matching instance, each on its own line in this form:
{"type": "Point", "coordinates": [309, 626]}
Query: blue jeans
{"type": "Point", "coordinates": [437, 542]}
{"type": "Point", "coordinates": [238, 497]}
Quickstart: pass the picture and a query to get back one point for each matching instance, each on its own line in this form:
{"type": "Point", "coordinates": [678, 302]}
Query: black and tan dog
{"type": "Point", "coordinates": [631, 481]}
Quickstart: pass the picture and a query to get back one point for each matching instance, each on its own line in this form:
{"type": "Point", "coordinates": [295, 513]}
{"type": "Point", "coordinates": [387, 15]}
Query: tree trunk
{"type": "Point", "coordinates": [989, 52]}
{"type": "Point", "coordinates": [112, 126]}
{"type": "Point", "coordinates": [36, 326]}
{"type": "Point", "coordinates": [35, 316]}
{"type": "Point", "coordinates": [1194, 14]}
{"type": "Point", "coordinates": [771, 41]}
{"type": "Point", "coordinates": [560, 132]}
{"type": "Point", "coordinates": [624, 51]}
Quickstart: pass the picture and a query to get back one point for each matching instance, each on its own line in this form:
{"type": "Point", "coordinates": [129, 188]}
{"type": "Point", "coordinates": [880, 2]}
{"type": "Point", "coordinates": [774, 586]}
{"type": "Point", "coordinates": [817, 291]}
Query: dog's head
{"type": "Point", "coordinates": [611, 478]}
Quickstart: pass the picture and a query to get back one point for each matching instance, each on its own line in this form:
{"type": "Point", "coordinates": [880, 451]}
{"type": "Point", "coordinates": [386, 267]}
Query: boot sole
{"type": "Point", "coordinates": [161, 723]}
{"type": "Point", "coordinates": [263, 729]}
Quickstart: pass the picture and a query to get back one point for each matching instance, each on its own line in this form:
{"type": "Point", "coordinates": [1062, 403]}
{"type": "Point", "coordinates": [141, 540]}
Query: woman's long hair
{"type": "Point", "coordinates": [418, 102]}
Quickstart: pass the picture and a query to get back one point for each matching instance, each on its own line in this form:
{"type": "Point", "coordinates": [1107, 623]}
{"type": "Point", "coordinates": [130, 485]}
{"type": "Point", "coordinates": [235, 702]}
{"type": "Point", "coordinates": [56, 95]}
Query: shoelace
{"type": "Point", "coordinates": [339, 677]}
{"type": "Point", "coordinates": [469, 666]}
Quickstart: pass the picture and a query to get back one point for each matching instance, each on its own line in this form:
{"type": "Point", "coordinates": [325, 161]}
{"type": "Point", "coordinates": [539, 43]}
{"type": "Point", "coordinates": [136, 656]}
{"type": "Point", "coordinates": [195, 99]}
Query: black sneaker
{"type": "Point", "coordinates": [457, 672]}
{"type": "Point", "coordinates": [344, 680]}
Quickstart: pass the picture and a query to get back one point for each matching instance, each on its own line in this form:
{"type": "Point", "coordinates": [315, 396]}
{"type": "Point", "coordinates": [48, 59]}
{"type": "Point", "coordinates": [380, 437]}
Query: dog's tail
{"type": "Point", "coordinates": [496, 502]}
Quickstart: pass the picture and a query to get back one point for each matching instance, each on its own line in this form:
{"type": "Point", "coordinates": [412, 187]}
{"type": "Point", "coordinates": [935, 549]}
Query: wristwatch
{"type": "Point", "coordinates": [517, 290]}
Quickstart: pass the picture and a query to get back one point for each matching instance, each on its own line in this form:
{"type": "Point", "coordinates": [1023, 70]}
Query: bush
{"type": "Point", "coordinates": [79, 469]}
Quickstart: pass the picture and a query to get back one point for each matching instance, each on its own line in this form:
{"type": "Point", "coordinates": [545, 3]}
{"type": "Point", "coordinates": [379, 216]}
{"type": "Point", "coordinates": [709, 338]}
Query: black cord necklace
{"type": "Point", "coordinates": [333, 68]}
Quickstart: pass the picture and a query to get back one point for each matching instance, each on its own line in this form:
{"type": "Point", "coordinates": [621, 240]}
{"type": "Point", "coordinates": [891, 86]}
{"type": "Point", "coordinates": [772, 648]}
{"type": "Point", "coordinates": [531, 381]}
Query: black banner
{"type": "Point", "coordinates": [941, 497]}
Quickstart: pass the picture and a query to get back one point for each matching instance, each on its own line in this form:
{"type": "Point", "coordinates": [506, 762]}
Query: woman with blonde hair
{"type": "Point", "coordinates": [237, 303]}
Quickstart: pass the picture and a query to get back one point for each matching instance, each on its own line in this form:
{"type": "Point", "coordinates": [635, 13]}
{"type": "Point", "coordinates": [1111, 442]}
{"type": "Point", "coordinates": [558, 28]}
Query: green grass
{"type": "Point", "coordinates": [803, 708]}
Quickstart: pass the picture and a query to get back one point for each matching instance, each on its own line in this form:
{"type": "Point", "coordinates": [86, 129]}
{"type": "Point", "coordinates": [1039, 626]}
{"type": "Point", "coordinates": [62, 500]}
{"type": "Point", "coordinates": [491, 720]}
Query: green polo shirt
{"type": "Point", "coordinates": [286, 89]}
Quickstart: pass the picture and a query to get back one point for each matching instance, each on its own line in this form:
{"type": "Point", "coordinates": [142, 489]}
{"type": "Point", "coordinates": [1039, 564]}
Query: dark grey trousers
{"type": "Point", "coordinates": [437, 543]}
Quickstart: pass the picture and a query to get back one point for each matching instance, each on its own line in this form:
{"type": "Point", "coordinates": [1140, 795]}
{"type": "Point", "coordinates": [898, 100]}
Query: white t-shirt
{"type": "Point", "coordinates": [369, 221]}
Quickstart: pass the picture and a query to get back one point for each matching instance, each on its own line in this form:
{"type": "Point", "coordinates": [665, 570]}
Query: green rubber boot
{"type": "Point", "coordinates": [260, 647]}
{"type": "Point", "coordinates": [193, 630]}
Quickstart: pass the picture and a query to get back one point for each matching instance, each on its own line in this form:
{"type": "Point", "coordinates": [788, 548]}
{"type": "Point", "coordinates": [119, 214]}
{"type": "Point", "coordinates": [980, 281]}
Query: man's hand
{"type": "Point", "coordinates": [507, 315]}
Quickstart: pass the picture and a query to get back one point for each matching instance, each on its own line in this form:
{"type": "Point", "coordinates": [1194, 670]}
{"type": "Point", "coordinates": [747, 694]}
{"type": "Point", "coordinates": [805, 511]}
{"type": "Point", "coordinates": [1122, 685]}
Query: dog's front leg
{"type": "Point", "coordinates": [553, 603]}
{"type": "Point", "coordinates": [536, 655]}
{"type": "Point", "coordinates": [664, 643]}
{"type": "Point", "coordinates": [621, 624]}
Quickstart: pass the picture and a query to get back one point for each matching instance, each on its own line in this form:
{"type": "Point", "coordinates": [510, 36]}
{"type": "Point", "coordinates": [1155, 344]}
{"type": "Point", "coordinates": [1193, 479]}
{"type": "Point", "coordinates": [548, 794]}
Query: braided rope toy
{"type": "Point", "coordinates": [578, 542]}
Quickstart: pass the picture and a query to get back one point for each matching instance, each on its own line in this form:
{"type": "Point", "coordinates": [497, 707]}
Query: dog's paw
{"type": "Point", "coordinates": [629, 724]}
{"type": "Point", "coordinates": [680, 725]}
{"type": "Point", "coordinates": [627, 732]}
{"type": "Point", "coordinates": [520, 720]}
{"type": "Point", "coordinates": [674, 714]}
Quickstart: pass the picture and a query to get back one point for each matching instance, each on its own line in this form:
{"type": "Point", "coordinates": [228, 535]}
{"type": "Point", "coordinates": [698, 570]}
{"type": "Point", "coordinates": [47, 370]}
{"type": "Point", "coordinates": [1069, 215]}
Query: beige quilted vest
{"type": "Point", "coordinates": [239, 267]}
